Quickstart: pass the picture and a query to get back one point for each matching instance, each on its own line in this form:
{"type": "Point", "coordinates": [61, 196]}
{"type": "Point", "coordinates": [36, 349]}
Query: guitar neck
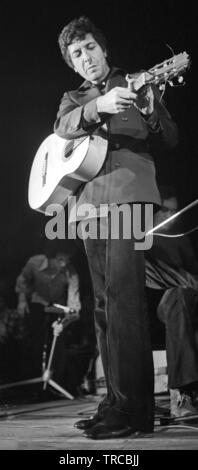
{"type": "Point", "coordinates": [161, 73]}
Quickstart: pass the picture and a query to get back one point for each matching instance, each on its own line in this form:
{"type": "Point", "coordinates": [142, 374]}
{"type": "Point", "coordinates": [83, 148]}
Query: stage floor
{"type": "Point", "coordinates": [50, 426]}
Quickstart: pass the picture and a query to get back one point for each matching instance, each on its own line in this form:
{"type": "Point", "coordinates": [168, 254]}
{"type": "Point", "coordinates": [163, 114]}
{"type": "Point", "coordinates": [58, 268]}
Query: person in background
{"type": "Point", "coordinates": [172, 266]}
{"type": "Point", "coordinates": [45, 279]}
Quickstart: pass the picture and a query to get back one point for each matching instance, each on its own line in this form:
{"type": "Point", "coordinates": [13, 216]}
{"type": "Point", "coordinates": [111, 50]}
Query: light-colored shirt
{"type": "Point", "coordinates": [41, 284]}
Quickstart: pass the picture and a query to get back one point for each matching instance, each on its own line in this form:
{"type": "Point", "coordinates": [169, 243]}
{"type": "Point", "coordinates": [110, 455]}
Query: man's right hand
{"type": "Point", "coordinates": [117, 100]}
{"type": "Point", "coordinates": [23, 308]}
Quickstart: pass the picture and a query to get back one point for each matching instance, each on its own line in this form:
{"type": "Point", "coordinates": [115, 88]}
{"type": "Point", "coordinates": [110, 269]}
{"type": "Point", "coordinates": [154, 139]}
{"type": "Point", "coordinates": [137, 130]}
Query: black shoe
{"type": "Point", "coordinates": [89, 422]}
{"type": "Point", "coordinates": [103, 431]}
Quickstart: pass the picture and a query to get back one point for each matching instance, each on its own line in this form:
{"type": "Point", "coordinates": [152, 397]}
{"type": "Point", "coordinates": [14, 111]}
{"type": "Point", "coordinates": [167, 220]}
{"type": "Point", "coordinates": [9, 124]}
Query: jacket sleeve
{"type": "Point", "coordinates": [75, 121]}
{"type": "Point", "coordinates": [160, 123]}
{"type": "Point", "coordinates": [24, 281]}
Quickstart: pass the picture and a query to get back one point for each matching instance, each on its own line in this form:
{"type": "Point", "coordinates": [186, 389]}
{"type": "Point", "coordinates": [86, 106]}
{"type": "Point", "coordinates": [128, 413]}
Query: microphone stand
{"type": "Point", "coordinates": [58, 327]}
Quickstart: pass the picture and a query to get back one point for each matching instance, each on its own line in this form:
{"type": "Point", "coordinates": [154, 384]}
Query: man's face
{"type": "Point", "coordinates": [88, 59]}
{"type": "Point", "coordinates": [61, 261]}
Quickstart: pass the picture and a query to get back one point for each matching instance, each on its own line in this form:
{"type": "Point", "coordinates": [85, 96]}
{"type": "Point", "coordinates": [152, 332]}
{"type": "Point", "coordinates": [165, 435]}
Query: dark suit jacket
{"type": "Point", "coordinates": [128, 173]}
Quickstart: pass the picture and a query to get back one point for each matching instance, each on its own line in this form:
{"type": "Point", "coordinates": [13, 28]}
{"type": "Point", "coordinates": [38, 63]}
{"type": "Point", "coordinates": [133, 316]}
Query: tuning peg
{"type": "Point", "coordinates": [162, 86]}
{"type": "Point", "coordinates": [180, 79]}
{"type": "Point", "coordinates": [170, 83]}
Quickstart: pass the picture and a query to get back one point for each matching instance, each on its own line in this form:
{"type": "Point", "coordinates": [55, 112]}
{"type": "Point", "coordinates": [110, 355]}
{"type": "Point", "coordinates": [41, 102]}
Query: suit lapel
{"type": "Point", "coordinates": [86, 94]}
{"type": "Point", "coordinates": [83, 96]}
{"type": "Point", "coordinates": [115, 80]}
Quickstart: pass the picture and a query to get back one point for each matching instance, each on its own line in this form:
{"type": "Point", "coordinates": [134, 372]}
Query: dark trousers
{"type": "Point", "coordinates": [178, 310]}
{"type": "Point", "coordinates": [122, 328]}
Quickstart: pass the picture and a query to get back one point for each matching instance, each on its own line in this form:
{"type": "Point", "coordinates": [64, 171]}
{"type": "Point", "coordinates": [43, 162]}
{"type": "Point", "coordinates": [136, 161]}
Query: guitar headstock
{"type": "Point", "coordinates": [161, 73]}
{"type": "Point", "coordinates": [170, 68]}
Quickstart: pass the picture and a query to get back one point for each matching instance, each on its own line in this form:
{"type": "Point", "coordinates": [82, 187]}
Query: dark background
{"type": "Point", "coordinates": [34, 78]}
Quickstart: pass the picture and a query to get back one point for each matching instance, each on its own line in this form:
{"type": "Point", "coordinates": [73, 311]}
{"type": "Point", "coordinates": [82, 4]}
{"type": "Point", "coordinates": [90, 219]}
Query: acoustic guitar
{"type": "Point", "coordinates": [60, 166]}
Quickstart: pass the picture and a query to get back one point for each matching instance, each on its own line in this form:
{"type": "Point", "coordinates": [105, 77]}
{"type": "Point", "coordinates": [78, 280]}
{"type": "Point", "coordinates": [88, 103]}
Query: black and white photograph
{"type": "Point", "coordinates": [99, 231]}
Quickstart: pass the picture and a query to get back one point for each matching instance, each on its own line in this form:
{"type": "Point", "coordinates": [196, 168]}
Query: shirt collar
{"type": "Point", "coordinates": [113, 71]}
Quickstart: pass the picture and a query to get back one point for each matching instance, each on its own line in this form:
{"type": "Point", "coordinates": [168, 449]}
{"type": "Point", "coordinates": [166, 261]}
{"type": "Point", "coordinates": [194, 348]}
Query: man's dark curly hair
{"type": "Point", "coordinates": [77, 29]}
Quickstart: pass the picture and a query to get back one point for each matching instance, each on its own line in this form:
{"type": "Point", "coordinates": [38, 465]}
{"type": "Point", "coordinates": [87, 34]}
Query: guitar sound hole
{"type": "Point", "coordinates": [68, 150]}
{"type": "Point", "coordinates": [71, 146]}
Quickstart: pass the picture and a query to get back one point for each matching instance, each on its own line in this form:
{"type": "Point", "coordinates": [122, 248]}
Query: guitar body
{"type": "Point", "coordinates": [60, 167]}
